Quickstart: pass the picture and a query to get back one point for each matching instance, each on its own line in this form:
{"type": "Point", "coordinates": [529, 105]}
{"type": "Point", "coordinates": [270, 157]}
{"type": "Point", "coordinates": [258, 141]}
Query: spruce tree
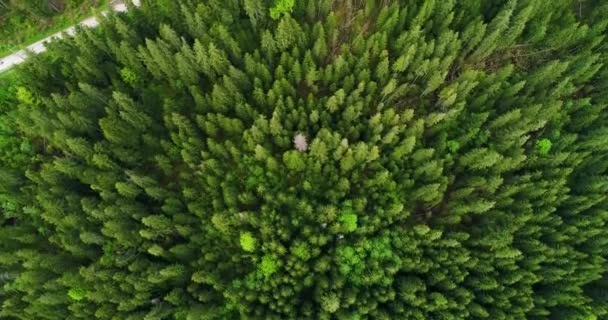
{"type": "Point", "coordinates": [307, 159]}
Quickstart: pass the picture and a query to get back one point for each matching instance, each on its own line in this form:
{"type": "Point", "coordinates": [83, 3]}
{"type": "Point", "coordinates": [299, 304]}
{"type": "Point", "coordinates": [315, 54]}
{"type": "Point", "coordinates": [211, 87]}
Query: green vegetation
{"type": "Point", "coordinates": [349, 220]}
{"type": "Point", "coordinates": [23, 22]}
{"type": "Point", "coordinates": [311, 159]}
{"type": "Point", "coordinates": [8, 82]}
{"type": "Point", "coordinates": [247, 242]}
{"type": "Point", "coordinates": [281, 7]}
{"type": "Point", "coordinates": [544, 146]}
{"type": "Point", "coordinates": [76, 294]}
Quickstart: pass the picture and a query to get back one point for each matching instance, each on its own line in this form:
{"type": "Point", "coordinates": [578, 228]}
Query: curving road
{"type": "Point", "coordinates": [37, 47]}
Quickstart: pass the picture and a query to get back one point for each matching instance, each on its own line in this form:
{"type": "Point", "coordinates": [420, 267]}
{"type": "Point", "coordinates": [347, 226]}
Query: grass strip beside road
{"type": "Point", "coordinates": [31, 34]}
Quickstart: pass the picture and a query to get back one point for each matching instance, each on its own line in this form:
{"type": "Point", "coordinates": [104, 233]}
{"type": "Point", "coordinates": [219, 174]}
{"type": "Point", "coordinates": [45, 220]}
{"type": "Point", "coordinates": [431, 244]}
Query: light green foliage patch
{"type": "Point", "coordinates": [248, 242]}
{"type": "Point", "coordinates": [543, 146]}
{"type": "Point", "coordinates": [349, 220]}
{"type": "Point", "coordinates": [76, 294]}
{"type": "Point", "coordinates": [281, 7]}
{"type": "Point", "coordinates": [268, 265]}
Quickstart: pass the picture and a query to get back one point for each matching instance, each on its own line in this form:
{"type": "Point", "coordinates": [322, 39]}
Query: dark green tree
{"type": "Point", "coordinates": [311, 160]}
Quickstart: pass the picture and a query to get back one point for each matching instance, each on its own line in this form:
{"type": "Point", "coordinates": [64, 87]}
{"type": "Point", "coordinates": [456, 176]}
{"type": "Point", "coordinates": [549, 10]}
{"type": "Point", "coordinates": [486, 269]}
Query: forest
{"type": "Point", "coordinates": [311, 159]}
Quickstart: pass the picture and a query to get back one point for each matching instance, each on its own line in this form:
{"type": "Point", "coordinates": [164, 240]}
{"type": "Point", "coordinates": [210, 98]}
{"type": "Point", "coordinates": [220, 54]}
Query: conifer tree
{"type": "Point", "coordinates": [307, 159]}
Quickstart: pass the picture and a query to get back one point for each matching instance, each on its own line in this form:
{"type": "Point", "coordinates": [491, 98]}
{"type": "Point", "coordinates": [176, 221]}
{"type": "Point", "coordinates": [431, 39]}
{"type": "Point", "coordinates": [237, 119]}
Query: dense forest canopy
{"type": "Point", "coordinates": [306, 159]}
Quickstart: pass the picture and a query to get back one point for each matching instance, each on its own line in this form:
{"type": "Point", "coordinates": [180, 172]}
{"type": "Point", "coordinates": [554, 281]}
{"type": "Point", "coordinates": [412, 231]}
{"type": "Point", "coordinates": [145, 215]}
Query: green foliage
{"type": "Point", "coordinates": [248, 242]}
{"type": "Point", "coordinates": [453, 146]}
{"type": "Point", "coordinates": [302, 251]}
{"type": "Point", "coordinates": [76, 294]}
{"type": "Point", "coordinates": [543, 146]}
{"type": "Point", "coordinates": [268, 265]}
{"type": "Point", "coordinates": [351, 160]}
{"type": "Point", "coordinates": [294, 160]}
{"type": "Point", "coordinates": [330, 303]}
{"type": "Point", "coordinates": [282, 7]}
{"type": "Point", "coordinates": [25, 96]}
{"type": "Point", "coordinates": [7, 88]}
{"type": "Point", "coordinates": [349, 220]}
{"type": "Point", "coordinates": [129, 76]}
{"type": "Point", "coordinates": [24, 22]}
